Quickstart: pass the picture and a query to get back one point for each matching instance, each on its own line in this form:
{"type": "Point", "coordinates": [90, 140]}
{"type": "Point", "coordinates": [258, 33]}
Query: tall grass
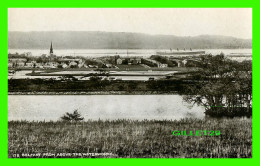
{"type": "Point", "coordinates": [133, 139]}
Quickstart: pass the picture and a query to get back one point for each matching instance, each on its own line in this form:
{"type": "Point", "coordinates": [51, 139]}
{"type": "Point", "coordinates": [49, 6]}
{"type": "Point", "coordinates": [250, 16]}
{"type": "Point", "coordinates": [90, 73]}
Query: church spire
{"type": "Point", "coordinates": [51, 49]}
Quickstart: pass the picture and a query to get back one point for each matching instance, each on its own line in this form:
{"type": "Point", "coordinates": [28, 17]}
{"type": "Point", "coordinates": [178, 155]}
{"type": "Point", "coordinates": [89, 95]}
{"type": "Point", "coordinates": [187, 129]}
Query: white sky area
{"type": "Point", "coordinates": [236, 22]}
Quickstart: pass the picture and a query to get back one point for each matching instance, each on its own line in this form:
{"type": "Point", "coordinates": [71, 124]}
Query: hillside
{"type": "Point", "coordinates": [119, 40]}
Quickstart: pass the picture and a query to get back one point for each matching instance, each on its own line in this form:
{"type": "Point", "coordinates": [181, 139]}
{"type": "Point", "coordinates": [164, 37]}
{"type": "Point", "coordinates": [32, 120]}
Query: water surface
{"type": "Point", "coordinates": [121, 52]}
{"type": "Point", "coordinates": [136, 107]}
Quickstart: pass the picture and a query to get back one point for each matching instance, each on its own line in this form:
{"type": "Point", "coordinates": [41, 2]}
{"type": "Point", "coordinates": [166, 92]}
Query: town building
{"type": "Point", "coordinates": [108, 65]}
{"type": "Point", "coordinates": [162, 65]}
{"type": "Point", "coordinates": [20, 64]}
{"type": "Point", "coordinates": [29, 65]}
{"type": "Point", "coordinates": [65, 66]}
{"type": "Point", "coordinates": [17, 60]}
{"type": "Point", "coordinates": [119, 61]}
{"type": "Point", "coordinates": [11, 65]}
{"type": "Point", "coordinates": [73, 64]}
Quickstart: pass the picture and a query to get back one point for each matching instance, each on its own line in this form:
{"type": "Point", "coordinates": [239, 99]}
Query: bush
{"type": "Point", "coordinates": [75, 116]}
{"type": "Point", "coordinates": [219, 112]}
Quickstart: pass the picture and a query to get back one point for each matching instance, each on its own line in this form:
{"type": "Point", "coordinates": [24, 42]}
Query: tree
{"type": "Point", "coordinates": [223, 87]}
{"type": "Point", "coordinates": [72, 117]}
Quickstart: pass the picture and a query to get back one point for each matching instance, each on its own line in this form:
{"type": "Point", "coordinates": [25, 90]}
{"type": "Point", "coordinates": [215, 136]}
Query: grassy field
{"type": "Point", "coordinates": [131, 139]}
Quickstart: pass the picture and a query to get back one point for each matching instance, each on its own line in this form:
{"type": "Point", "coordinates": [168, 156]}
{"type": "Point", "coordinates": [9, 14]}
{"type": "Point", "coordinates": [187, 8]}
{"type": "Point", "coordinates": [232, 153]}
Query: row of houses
{"type": "Point", "coordinates": [61, 63]}
{"type": "Point", "coordinates": [129, 61]}
{"type": "Point", "coordinates": [80, 63]}
{"type": "Point", "coordinates": [154, 63]}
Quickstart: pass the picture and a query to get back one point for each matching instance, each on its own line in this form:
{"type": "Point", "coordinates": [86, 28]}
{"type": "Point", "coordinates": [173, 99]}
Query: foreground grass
{"type": "Point", "coordinates": [135, 139]}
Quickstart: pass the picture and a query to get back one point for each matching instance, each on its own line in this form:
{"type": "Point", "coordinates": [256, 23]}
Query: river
{"type": "Point", "coordinates": [104, 107]}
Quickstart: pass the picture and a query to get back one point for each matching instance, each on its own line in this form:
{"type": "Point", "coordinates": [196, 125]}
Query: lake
{"type": "Point", "coordinates": [110, 107]}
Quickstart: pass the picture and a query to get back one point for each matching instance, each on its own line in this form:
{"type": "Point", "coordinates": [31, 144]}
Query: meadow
{"type": "Point", "coordinates": [131, 138]}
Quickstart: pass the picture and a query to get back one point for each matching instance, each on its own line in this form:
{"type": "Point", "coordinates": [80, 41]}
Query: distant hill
{"type": "Point", "coordinates": [119, 40]}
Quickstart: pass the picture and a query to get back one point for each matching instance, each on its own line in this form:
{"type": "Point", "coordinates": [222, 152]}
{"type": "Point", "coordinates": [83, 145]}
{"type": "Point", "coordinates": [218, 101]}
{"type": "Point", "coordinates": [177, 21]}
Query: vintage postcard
{"type": "Point", "coordinates": [130, 83]}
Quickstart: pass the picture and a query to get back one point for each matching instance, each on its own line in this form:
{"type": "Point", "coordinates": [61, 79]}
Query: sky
{"type": "Point", "coordinates": [236, 22]}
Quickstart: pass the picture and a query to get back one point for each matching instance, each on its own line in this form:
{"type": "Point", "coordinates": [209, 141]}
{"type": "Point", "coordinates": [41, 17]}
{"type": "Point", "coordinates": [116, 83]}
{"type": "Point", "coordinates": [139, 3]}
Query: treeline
{"type": "Point", "coordinates": [70, 84]}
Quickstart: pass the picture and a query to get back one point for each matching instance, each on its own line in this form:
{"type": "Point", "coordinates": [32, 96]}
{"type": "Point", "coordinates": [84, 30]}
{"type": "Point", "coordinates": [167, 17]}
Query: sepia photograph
{"type": "Point", "coordinates": [129, 82]}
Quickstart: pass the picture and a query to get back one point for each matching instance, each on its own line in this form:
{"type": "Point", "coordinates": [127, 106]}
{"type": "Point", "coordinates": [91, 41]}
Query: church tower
{"type": "Point", "coordinates": [51, 49]}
